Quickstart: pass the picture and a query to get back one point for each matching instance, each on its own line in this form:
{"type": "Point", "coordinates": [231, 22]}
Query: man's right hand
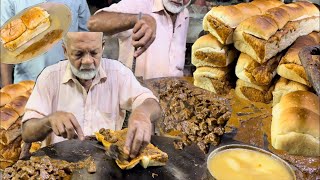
{"type": "Point", "coordinates": [144, 33]}
{"type": "Point", "coordinates": [66, 125]}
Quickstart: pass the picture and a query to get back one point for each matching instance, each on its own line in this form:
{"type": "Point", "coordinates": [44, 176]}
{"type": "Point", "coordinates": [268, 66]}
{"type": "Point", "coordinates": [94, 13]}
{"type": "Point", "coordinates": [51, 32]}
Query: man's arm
{"type": "Point", "coordinates": [61, 123]}
{"type": "Point", "coordinates": [140, 126]}
{"type": "Point", "coordinates": [84, 15]}
{"type": "Point", "coordinates": [144, 30]}
{"type": "Point", "coordinates": [6, 74]}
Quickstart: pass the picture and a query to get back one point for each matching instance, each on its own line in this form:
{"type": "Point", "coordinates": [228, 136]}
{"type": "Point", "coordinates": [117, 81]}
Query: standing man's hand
{"type": "Point", "coordinates": [144, 33]}
{"type": "Point", "coordinates": [66, 125]}
{"type": "Point", "coordinates": [139, 133]}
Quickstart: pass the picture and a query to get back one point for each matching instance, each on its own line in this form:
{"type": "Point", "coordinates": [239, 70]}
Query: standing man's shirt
{"type": "Point", "coordinates": [166, 55]}
{"type": "Point", "coordinates": [31, 69]}
{"type": "Point", "coordinates": [114, 90]}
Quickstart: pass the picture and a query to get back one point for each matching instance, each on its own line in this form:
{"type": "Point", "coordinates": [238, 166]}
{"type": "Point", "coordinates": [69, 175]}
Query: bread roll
{"type": "Point", "coordinates": [4, 98]}
{"type": "Point", "coordinates": [290, 66]}
{"type": "Point", "coordinates": [34, 17]}
{"type": "Point", "coordinates": [31, 23]}
{"type": "Point", "coordinates": [285, 86]}
{"type": "Point", "coordinates": [262, 37]}
{"type": "Point", "coordinates": [208, 51]}
{"type": "Point", "coordinates": [18, 104]}
{"type": "Point", "coordinates": [28, 84]}
{"type": "Point", "coordinates": [212, 79]}
{"type": "Point", "coordinates": [14, 90]}
{"type": "Point", "coordinates": [221, 21]}
{"type": "Point", "coordinates": [254, 92]}
{"type": "Point", "coordinates": [295, 124]}
{"type": "Point", "coordinates": [12, 30]}
{"type": "Point", "coordinates": [8, 116]}
{"type": "Point", "coordinates": [251, 71]}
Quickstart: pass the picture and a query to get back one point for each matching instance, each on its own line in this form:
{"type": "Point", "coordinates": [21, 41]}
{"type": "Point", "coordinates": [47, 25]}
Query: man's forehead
{"type": "Point", "coordinates": [84, 36]}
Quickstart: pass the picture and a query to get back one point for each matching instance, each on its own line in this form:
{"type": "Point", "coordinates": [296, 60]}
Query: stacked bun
{"type": "Point", "coordinates": [13, 100]}
{"type": "Point", "coordinates": [285, 86]}
{"type": "Point", "coordinates": [221, 21]}
{"type": "Point", "coordinates": [290, 66]}
{"type": "Point", "coordinates": [213, 61]}
{"type": "Point", "coordinates": [264, 36]}
{"type": "Point", "coordinates": [256, 79]}
{"type": "Point", "coordinates": [295, 124]}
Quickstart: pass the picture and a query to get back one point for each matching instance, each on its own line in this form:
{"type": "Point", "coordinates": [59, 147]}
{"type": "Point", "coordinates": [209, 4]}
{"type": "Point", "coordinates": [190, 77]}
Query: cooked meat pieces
{"type": "Point", "coordinates": [199, 114]}
{"type": "Point", "coordinates": [45, 168]}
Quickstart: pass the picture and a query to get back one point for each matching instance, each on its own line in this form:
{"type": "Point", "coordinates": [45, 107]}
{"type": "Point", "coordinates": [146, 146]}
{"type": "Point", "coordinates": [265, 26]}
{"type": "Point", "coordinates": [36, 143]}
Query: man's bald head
{"type": "Point", "coordinates": [84, 51]}
{"type": "Point", "coordinates": [82, 35]}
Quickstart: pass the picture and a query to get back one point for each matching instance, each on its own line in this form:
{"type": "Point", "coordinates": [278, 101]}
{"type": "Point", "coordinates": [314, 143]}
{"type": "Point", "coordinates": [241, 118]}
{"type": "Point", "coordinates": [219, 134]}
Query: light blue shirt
{"type": "Point", "coordinates": [31, 69]}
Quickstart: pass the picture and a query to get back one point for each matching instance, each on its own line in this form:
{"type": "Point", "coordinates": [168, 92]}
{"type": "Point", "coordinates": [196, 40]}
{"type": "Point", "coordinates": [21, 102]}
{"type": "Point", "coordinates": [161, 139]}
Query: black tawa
{"type": "Point", "coordinates": [189, 163]}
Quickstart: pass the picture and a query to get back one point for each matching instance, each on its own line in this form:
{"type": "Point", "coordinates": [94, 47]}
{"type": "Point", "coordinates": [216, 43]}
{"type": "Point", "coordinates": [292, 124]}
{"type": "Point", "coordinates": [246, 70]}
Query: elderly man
{"type": "Point", "coordinates": [77, 97]}
{"type": "Point", "coordinates": [31, 69]}
{"type": "Point", "coordinates": [161, 33]}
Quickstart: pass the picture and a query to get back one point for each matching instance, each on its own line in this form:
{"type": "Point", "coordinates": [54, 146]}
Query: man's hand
{"type": "Point", "coordinates": [139, 133]}
{"type": "Point", "coordinates": [66, 125]}
{"type": "Point", "coordinates": [144, 33]}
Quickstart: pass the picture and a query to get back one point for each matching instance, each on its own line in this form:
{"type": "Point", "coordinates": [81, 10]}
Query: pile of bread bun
{"type": "Point", "coordinates": [265, 37]}
{"type": "Point", "coordinates": [13, 99]}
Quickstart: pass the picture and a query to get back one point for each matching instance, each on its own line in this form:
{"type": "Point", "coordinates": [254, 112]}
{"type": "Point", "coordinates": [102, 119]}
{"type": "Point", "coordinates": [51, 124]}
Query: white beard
{"type": "Point", "coordinates": [81, 74]}
{"type": "Point", "coordinates": [169, 6]}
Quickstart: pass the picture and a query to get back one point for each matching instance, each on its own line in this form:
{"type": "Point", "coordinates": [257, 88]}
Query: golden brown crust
{"type": "Point", "coordinates": [33, 17]}
{"type": "Point", "coordinates": [14, 90]}
{"type": "Point", "coordinates": [4, 99]}
{"type": "Point", "coordinates": [265, 5]}
{"type": "Point", "coordinates": [279, 15]}
{"type": "Point", "coordinates": [12, 30]}
{"type": "Point", "coordinates": [18, 104]}
{"type": "Point", "coordinates": [8, 117]}
{"type": "Point", "coordinates": [294, 10]}
{"type": "Point", "coordinates": [218, 59]}
{"type": "Point", "coordinates": [28, 84]}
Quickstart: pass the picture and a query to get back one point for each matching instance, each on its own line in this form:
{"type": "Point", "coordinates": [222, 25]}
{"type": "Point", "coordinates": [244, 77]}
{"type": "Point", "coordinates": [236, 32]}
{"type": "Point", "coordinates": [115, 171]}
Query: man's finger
{"type": "Point", "coordinates": [146, 140]}
{"type": "Point", "coordinates": [55, 130]}
{"type": "Point", "coordinates": [137, 26]}
{"type": "Point", "coordinates": [70, 130]}
{"type": "Point", "coordinates": [137, 142]}
{"type": "Point", "coordinates": [77, 127]}
{"type": "Point", "coordinates": [142, 49]}
{"type": "Point", "coordinates": [129, 140]}
{"type": "Point", "coordinates": [61, 130]}
{"type": "Point", "coordinates": [144, 40]}
{"type": "Point", "coordinates": [139, 34]}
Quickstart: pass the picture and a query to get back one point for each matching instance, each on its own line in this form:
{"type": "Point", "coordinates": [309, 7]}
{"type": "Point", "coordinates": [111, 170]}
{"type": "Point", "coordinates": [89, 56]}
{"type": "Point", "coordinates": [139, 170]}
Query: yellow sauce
{"type": "Point", "coordinates": [243, 164]}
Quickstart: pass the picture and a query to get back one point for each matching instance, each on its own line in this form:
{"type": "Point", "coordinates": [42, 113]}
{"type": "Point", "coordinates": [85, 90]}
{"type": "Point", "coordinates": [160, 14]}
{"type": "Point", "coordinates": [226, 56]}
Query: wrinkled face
{"type": "Point", "coordinates": [84, 51]}
{"type": "Point", "coordinates": [175, 6]}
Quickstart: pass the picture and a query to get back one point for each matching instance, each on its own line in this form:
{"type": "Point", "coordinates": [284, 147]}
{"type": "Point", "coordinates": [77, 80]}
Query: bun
{"type": "Point", "coordinates": [14, 90]}
{"type": "Point", "coordinates": [295, 124]}
{"type": "Point", "coordinates": [4, 99]}
{"type": "Point", "coordinates": [8, 117]}
{"type": "Point", "coordinates": [290, 66]}
{"type": "Point", "coordinates": [285, 86]}
{"type": "Point", "coordinates": [215, 80]}
{"type": "Point", "coordinates": [264, 36]}
{"type": "Point", "coordinates": [251, 71]}
{"type": "Point", "coordinates": [253, 92]}
{"type": "Point", "coordinates": [221, 21]}
{"type": "Point", "coordinates": [208, 51]}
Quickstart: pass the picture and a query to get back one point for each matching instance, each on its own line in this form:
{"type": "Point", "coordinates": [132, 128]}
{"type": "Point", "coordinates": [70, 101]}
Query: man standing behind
{"type": "Point", "coordinates": [31, 69]}
{"type": "Point", "coordinates": [161, 33]}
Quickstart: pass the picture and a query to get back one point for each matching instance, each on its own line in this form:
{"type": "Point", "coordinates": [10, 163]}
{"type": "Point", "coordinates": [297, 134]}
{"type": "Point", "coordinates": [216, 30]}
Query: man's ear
{"type": "Point", "coordinates": [64, 50]}
{"type": "Point", "coordinates": [103, 43]}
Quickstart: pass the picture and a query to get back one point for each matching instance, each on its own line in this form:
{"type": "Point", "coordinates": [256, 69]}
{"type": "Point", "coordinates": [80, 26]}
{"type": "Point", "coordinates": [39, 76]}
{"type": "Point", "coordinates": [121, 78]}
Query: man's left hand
{"type": "Point", "coordinates": [139, 133]}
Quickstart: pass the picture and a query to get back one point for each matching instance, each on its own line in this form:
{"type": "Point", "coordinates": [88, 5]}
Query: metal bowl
{"type": "Point", "coordinates": [248, 147]}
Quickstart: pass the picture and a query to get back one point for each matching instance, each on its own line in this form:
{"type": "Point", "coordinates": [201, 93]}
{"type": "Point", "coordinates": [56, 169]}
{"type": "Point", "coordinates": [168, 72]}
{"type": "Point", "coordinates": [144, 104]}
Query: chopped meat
{"type": "Point", "coordinates": [92, 167]}
{"type": "Point", "coordinates": [43, 168]}
{"type": "Point", "coordinates": [178, 145]}
{"type": "Point", "coordinates": [192, 110]}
